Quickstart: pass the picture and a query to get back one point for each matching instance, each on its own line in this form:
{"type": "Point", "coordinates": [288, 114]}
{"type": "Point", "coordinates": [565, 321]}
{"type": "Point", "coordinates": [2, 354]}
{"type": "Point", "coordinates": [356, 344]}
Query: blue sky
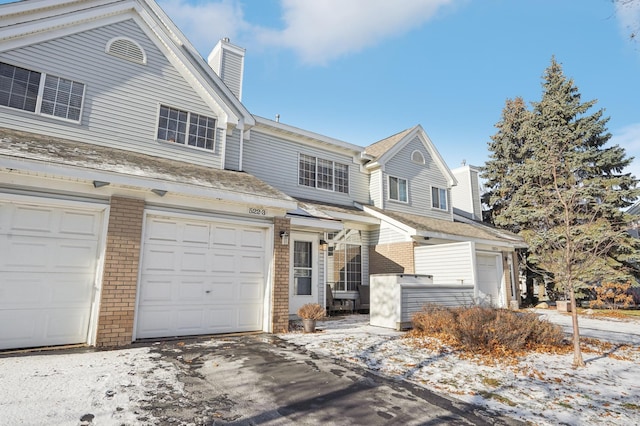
{"type": "Point", "coordinates": [362, 70]}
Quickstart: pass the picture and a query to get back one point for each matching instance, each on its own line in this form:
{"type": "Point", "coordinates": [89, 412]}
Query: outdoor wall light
{"type": "Point", "coordinates": [100, 183]}
{"type": "Point", "coordinates": [284, 237]}
{"type": "Point", "coordinates": [160, 192]}
{"type": "Point", "coordinates": [323, 245]}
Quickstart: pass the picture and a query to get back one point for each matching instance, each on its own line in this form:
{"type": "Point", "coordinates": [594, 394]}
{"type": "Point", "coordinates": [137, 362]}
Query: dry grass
{"type": "Point", "coordinates": [489, 331]}
{"type": "Point", "coordinates": [311, 311]}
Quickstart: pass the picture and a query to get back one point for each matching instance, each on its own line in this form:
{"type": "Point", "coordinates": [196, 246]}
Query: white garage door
{"type": "Point", "coordinates": [200, 277]}
{"type": "Point", "coordinates": [488, 279]}
{"type": "Point", "coordinates": [48, 261]}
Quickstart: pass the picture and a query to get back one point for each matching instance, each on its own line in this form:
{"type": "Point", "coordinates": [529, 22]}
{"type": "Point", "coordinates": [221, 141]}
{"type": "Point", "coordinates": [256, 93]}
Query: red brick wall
{"type": "Point", "coordinates": [280, 297]}
{"type": "Point", "coordinates": [119, 282]}
{"type": "Point", "coordinates": [392, 258]}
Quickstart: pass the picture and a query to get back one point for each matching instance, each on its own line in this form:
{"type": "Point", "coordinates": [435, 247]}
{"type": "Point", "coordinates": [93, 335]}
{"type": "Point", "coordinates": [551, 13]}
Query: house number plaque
{"type": "Point", "coordinates": [254, 210]}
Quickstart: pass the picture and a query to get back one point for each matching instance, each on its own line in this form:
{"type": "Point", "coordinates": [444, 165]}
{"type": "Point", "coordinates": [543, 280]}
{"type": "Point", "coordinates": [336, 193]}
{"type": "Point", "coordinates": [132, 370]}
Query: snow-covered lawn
{"type": "Point", "coordinates": [119, 387]}
{"type": "Point", "coordinates": [103, 388]}
{"type": "Point", "coordinates": [541, 388]}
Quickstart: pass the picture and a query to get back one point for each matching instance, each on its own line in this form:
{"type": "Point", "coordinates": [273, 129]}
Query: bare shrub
{"type": "Point", "coordinates": [311, 311]}
{"type": "Point", "coordinates": [487, 330]}
{"type": "Point", "coordinates": [433, 319]}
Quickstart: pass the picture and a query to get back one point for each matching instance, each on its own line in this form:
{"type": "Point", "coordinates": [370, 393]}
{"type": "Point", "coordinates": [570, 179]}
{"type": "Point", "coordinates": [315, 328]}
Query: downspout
{"type": "Point", "coordinates": [241, 148]}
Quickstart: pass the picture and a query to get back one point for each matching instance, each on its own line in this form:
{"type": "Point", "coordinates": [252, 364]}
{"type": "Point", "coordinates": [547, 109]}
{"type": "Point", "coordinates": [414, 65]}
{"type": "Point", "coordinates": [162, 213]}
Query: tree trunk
{"type": "Point", "coordinates": [577, 353]}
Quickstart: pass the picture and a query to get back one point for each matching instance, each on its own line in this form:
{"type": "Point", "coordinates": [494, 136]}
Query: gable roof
{"type": "Point", "coordinates": [422, 226]}
{"type": "Point", "coordinates": [34, 153]}
{"type": "Point", "coordinates": [385, 149]}
{"type": "Point", "coordinates": [29, 22]}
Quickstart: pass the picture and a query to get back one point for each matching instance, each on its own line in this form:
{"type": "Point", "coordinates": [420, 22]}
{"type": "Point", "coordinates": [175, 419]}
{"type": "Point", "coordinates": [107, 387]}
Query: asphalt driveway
{"type": "Point", "coordinates": [263, 380]}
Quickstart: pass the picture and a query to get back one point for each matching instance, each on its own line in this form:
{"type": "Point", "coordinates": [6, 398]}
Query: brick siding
{"type": "Point", "coordinates": [392, 258]}
{"type": "Point", "coordinates": [120, 278]}
{"type": "Point", "coordinates": [280, 297]}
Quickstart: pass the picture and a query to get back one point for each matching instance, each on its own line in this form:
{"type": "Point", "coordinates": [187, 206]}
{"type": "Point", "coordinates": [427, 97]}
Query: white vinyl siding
{"type": "Point", "coordinates": [231, 72]}
{"type": "Point", "coordinates": [276, 161]}
{"type": "Point", "coordinates": [116, 91]}
{"type": "Point", "coordinates": [420, 178]}
{"type": "Point", "coordinates": [450, 264]}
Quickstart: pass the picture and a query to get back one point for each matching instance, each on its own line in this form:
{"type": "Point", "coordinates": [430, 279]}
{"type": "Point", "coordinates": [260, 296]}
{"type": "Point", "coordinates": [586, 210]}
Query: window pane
{"type": "Point", "coordinates": [342, 178]}
{"type": "Point", "coordinates": [18, 87]}
{"type": "Point", "coordinates": [402, 189]}
{"type": "Point", "coordinates": [302, 254]}
{"type": "Point", "coordinates": [325, 174]}
{"type": "Point", "coordinates": [57, 98]}
{"type": "Point", "coordinates": [307, 170]}
{"type": "Point", "coordinates": [393, 188]}
{"type": "Point", "coordinates": [201, 131]}
{"type": "Point", "coordinates": [170, 127]}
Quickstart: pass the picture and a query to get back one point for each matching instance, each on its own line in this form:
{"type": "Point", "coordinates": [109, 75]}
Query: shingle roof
{"type": "Point", "coordinates": [30, 146]}
{"type": "Point", "coordinates": [376, 150]}
{"type": "Point", "coordinates": [468, 230]}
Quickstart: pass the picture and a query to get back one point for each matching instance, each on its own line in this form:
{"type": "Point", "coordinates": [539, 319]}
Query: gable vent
{"type": "Point", "coordinates": [127, 49]}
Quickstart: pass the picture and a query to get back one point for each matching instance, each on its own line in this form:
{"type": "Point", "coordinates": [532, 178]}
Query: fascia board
{"type": "Point", "coordinates": [305, 222]}
{"type": "Point", "coordinates": [353, 217]}
{"type": "Point", "coordinates": [451, 237]}
{"type": "Point", "coordinates": [88, 175]}
{"type": "Point", "coordinates": [405, 228]}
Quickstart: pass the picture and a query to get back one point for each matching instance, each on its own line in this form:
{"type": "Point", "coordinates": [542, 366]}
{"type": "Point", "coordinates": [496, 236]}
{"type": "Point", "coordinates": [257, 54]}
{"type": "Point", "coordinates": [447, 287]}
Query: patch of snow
{"type": "Point", "coordinates": [543, 389]}
{"type": "Point", "coordinates": [106, 387]}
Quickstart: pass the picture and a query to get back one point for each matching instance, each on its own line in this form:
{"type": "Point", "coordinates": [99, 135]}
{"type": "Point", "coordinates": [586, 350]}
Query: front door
{"type": "Point", "coordinates": [303, 277]}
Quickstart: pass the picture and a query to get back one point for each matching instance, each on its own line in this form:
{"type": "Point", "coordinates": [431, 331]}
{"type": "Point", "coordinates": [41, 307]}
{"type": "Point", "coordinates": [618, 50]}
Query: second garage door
{"type": "Point", "coordinates": [200, 277]}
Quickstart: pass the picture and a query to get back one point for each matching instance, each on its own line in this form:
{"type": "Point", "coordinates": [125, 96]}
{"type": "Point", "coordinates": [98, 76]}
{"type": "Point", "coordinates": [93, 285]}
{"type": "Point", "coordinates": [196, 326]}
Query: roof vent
{"type": "Point", "coordinates": [126, 49]}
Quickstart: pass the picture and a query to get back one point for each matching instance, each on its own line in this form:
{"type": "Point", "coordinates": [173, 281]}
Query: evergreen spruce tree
{"type": "Point", "coordinates": [566, 192]}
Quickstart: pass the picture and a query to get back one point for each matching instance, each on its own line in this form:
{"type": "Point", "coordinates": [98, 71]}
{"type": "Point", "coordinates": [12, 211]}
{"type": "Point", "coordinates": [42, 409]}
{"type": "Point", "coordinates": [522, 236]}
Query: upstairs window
{"type": "Point", "coordinates": [186, 128]}
{"type": "Point", "coordinates": [323, 174]}
{"type": "Point", "coordinates": [398, 189]}
{"type": "Point", "coordinates": [439, 198]}
{"type": "Point", "coordinates": [40, 93]}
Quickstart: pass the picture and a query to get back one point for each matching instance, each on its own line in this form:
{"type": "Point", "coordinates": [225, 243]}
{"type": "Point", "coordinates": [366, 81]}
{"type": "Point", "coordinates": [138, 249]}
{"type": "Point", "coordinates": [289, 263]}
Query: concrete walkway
{"type": "Point", "coordinates": [610, 330]}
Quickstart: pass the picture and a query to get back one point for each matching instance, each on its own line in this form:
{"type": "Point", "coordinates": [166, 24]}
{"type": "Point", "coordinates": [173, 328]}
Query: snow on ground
{"type": "Point", "coordinates": [118, 387]}
{"type": "Point", "coordinates": [540, 388]}
{"type": "Point", "coordinates": [106, 387]}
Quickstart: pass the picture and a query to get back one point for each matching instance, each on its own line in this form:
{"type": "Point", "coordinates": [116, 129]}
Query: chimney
{"type": "Point", "coordinates": [227, 60]}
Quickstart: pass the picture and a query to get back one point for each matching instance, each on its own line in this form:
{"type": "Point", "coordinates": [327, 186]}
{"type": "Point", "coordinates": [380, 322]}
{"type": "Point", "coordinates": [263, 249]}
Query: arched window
{"type": "Point", "coordinates": [417, 157]}
{"type": "Point", "coordinates": [126, 49]}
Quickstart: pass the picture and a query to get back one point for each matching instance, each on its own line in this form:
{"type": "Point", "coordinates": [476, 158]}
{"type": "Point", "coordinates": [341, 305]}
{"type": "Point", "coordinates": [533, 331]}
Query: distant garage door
{"type": "Point", "coordinates": [488, 279]}
{"type": "Point", "coordinates": [200, 277]}
{"type": "Point", "coordinates": [48, 269]}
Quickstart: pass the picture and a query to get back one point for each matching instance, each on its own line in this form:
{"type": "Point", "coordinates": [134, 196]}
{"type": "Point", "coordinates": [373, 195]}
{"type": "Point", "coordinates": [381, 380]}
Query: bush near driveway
{"type": "Point", "coordinates": [485, 330]}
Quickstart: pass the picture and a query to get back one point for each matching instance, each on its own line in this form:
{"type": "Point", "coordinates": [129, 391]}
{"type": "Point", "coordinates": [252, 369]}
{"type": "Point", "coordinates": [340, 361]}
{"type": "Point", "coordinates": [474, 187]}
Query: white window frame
{"type": "Point", "coordinates": [398, 186]}
{"type": "Point", "coordinates": [187, 129]}
{"type": "Point", "coordinates": [40, 96]}
{"type": "Point", "coordinates": [316, 179]}
{"type": "Point", "coordinates": [438, 205]}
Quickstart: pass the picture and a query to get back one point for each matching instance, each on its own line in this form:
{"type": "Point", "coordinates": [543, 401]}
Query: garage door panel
{"type": "Point", "coordinates": [252, 239]}
{"type": "Point", "coordinates": [223, 262]}
{"type": "Point", "coordinates": [209, 285]}
{"type": "Point", "coordinates": [79, 224]}
{"type": "Point", "coordinates": [28, 253]}
{"type": "Point", "coordinates": [194, 261]}
{"type": "Point", "coordinates": [32, 219]}
{"type": "Point", "coordinates": [224, 236]}
{"type": "Point", "coordinates": [250, 291]}
{"type": "Point", "coordinates": [251, 264]}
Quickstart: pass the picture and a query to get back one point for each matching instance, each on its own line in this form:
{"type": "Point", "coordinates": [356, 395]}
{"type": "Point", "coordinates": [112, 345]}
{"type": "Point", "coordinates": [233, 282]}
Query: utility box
{"type": "Point", "coordinates": [395, 298]}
